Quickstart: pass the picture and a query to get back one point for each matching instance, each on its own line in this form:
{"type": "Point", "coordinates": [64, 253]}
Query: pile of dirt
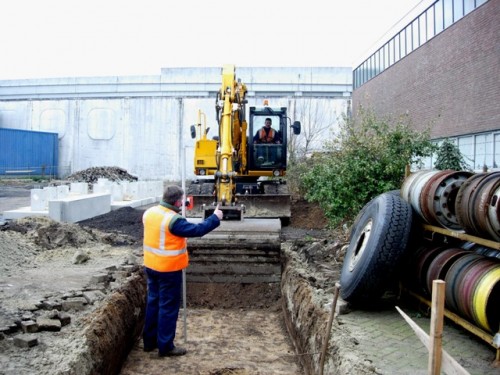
{"type": "Point", "coordinates": [91, 175]}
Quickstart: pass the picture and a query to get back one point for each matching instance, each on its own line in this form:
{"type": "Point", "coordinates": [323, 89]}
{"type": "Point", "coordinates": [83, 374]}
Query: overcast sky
{"type": "Point", "coordinates": [69, 38]}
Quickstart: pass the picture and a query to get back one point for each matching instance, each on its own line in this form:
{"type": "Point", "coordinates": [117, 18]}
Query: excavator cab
{"type": "Point", "coordinates": [268, 149]}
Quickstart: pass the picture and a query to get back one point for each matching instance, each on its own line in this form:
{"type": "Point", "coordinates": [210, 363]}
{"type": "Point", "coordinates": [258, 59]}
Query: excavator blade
{"type": "Point", "coordinates": [255, 205]}
{"type": "Point", "coordinates": [246, 251]}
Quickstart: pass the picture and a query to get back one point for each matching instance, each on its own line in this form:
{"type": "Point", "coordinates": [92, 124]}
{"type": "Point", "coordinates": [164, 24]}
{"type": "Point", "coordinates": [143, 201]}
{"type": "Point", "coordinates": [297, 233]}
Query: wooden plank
{"type": "Point", "coordinates": [449, 365]}
{"type": "Point", "coordinates": [463, 236]}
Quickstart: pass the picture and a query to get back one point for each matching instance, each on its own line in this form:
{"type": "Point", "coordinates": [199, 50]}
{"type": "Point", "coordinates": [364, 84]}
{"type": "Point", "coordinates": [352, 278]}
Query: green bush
{"type": "Point", "coordinates": [365, 160]}
{"type": "Point", "coordinates": [448, 156]}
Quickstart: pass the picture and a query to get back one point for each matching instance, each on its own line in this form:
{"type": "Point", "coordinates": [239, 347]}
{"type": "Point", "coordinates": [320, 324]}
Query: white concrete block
{"type": "Point", "coordinates": [79, 188]}
{"type": "Point", "coordinates": [133, 190]}
{"type": "Point", "coordinates": [116, 192]}
{"type": "Point", "coordinates": [23, 212]}
{"type": "Point", "coordinates": [78, 208]}
{"type": "Point", "coordinates": [50, 193]}
{"type": "Point", "coordinates": [103, 181]}
{"type": "Point", "coordinates": [38, 199]}
{"type": "Point", "coordinates": [101, 189]}
{"type": "Point", "coordinates": [62, 191]}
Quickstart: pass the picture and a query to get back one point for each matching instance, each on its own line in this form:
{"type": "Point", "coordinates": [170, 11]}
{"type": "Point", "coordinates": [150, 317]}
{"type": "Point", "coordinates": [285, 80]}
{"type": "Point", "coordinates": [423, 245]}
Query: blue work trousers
{"type": "Point", "coordinates": [162, 309]}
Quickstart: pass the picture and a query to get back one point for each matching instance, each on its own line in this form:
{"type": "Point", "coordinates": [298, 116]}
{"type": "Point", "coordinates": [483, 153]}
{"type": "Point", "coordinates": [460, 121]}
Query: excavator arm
{"type": "Point", "coordinates": [231, 153]}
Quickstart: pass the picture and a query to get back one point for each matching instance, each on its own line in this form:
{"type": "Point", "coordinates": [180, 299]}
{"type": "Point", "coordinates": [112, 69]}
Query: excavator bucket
{"type": "Point", "coordinates": [248, 206]}
{"type": "Point", "coordinates": [244, 251]}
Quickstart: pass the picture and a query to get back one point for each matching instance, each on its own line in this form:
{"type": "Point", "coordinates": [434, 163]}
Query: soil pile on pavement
{"type": "Point", "coordinates": [91, 175]}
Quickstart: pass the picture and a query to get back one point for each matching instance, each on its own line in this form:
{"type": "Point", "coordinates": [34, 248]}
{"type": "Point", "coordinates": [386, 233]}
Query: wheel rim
{"type": "Point", "coordinates": [361, 245]}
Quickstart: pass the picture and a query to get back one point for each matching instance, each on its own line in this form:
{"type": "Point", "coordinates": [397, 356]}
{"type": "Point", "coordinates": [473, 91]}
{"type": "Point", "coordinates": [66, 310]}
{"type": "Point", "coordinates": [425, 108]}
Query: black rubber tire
{"type": "Point", "coordinates": [378, 243]}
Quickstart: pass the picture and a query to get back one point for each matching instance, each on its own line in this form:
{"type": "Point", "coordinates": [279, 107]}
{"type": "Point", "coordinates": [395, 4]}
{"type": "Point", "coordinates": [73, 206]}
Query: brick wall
{"type": "Point", "coordinates": [451, 83]}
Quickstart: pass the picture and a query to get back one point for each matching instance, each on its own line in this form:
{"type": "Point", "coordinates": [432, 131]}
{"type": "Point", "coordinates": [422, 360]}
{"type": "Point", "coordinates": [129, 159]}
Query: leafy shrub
{"type": "Point", "coordinates": [365, 160]}
{"type": "Point", "coordinates": [448, 156]}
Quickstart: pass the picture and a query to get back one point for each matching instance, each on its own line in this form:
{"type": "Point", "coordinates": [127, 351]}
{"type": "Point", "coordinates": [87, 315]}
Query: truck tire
{"type": "Point", "coordinates": [377, 245]}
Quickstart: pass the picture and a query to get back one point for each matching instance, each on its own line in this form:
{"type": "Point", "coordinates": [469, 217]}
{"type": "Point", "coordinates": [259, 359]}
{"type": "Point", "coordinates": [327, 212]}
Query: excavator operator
{"type": "Point", "coordinates": [266, 134]}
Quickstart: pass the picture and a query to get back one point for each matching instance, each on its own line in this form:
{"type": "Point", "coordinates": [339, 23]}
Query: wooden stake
{"type": "Point", "coordinates": [436, 330]}
{"type": "Point", "coordinates": [328, 329]}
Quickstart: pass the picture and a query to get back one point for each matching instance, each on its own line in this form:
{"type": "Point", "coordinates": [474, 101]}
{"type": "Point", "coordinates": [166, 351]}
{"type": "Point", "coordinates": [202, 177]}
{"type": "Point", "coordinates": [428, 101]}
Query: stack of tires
{"type": "Point", "coordinates": [387, 245]}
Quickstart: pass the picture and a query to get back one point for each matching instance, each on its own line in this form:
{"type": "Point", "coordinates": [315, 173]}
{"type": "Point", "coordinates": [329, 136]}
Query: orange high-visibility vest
{"type": "Point", "coordinates": [163, 251]}
{"type": "Point", "coordinates": [266, 138]}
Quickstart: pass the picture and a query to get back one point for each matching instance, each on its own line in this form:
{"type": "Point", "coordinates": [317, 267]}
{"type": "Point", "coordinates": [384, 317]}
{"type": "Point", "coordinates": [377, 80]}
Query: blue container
{"type": "Point", "coordinates": [32, 153]}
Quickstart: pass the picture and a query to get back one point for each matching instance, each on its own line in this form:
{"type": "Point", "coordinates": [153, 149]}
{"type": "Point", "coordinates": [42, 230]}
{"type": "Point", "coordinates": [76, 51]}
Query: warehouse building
{"type": "Point", "coordinates": [440, 67]}
{"type": "Point", "coordinates": [142, 123]}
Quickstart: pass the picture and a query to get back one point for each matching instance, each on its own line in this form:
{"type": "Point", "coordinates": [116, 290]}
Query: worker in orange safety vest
{"type": "Point", "coordinates": [165, 256]}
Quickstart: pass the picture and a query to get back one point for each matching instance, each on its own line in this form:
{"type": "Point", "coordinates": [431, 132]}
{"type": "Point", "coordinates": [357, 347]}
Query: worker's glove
{"type": "Point", "coordinates": [218, 212]}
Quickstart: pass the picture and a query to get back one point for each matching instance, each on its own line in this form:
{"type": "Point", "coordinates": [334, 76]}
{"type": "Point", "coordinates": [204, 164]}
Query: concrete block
{"type": "Point", "coordinates": [99, 278]}
{"type": "Point", "coordinates": [23, 212]}
{"type": "Point", "coordinates": [78, 208]}
{"type": "Point", "coordinates": [38, 199]}
{"type": "Point", "coordinates": [45, 324]}
{"type": "Point", "coordinates": [62, 191]}
{"type": "Point", "coordinates": [116, 192]}
{"type": "Point", "coordinates": [76, 303]}
{"type": "Point", "coordinates": [102, 181]}
{"type": "Point", "coordinates": [65, 319]}
{"type": "Point", "coordinates": [126, 203]}
{"type": "Point", "coordinates": [93, 296]}
{"type": "Point", "coordinates": [29, 326]}
{"type": "Point", "coordinates": [50, 193]}
{"type": "Point", "coordinates": [133, 190]}
{"type": "Point", "coordinates": [25, 341]}
{"type": "Point", "coordinates": [51, 305]}
{"type": "Point", "coordinates": [77, 188]}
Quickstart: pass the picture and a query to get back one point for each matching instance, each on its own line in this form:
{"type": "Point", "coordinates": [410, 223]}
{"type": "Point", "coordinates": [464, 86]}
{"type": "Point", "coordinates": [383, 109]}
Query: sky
{"type": "Point", "coordinates": [83, 38]}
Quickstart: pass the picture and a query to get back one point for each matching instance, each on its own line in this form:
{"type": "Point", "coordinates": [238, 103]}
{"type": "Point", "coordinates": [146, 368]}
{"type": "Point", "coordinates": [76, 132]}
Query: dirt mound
{"type": "Point", "coordinates": [91, 175]}
{"type": "Point", "coordinates": [126, 221]}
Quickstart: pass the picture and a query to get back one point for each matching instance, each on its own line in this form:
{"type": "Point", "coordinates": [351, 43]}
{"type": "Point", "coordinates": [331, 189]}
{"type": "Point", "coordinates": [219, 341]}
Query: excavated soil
{"type": "Point", "coordinates": [93, 270]}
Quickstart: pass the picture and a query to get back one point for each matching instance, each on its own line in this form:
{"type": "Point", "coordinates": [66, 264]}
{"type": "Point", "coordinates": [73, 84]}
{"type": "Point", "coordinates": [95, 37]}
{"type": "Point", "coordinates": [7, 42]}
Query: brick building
{"type": "Point", "coordinates": [442, 70]}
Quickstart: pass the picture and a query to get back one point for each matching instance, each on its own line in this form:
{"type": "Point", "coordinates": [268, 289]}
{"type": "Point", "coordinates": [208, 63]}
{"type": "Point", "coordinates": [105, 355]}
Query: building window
{"type": "Point", "coordinates": [409, 44]}
{"type": "Point", "coordinates": [496, 151]}
{"type": "Point", "coordinates": [402, 41]}
{"type": "Point", "coordinates": [448, 12]}
{"type": "Point", "coordinates": [468, 6]}
{"type": "Point", "coordinates": [458, 9]}
{"type": "Point", "coordinates": [430, 23]}
{"type": "Point", "coordinates": [438, 16]}
{"type": "Point", "coordinates": [397, 49]}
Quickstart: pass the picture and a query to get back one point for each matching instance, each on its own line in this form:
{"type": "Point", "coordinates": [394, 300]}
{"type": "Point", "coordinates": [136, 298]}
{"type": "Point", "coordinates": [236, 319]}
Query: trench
{"type": "Point", "coordinates": [262, 328]}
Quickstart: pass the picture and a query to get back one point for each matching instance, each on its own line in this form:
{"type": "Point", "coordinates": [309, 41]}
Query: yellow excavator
{"type": "Point", "coordinates": [245, 177]}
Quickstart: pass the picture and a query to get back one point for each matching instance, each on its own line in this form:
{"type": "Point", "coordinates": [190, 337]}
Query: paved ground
{"type": "Point", "coordinates": [389, 343]}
